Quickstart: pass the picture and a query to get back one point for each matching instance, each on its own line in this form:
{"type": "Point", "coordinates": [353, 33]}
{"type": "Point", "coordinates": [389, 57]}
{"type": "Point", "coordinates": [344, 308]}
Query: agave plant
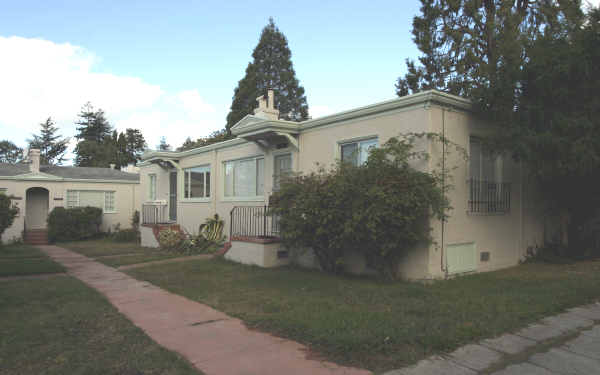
{"type": "Point", "coordinates": [212, 229]}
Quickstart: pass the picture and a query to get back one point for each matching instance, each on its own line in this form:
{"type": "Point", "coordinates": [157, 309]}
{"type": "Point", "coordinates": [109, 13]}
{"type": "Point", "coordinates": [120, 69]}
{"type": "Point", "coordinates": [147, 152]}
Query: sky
{"type": "Point", "coordinates": [169, 68]}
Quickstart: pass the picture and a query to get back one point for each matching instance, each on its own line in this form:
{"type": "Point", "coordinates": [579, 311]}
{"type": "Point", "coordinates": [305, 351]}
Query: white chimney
{"type": "Point", "coordinates": [266, 107]}
{"type": "Point", "coordinates": [34, 160]}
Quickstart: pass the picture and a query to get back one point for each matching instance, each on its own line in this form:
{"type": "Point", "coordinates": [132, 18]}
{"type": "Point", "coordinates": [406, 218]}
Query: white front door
{"type": "Point", "coordinates": [36, 208]}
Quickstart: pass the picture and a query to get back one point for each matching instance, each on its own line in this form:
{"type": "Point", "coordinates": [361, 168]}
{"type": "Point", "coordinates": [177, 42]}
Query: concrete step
{"type": "Point", "coordinates": [36, 237]}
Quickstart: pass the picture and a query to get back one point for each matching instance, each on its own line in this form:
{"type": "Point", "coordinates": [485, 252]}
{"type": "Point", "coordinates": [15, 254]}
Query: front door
{"type": "Point", "coordinates": [173, 196]}
{"type": "Point", "coordinates": [36, 208]}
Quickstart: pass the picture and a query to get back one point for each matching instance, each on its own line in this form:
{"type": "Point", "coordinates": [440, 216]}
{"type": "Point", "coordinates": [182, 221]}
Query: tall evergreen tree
{"type": "Point", "coordinates": [51, 145]}
{"type": "Point", "coordinates": [163, 145]}
{"type": "Point", "coordinates": [271, 68]}
{"type": "Point", "coordinates": [95, 146]}
{"type": "Point", "coordinates": [10, 152]}
{"type": "Point", "coordinates": [134, 145]}
{"type": "Point", "coordinates": [477, 49]}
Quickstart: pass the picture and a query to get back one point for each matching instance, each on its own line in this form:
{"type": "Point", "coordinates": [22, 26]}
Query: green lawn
{"type": "Point", "coordinates": [374, 324]}
{"type": "Point", "coordinates": [124, 253]}
{"type": "Point", "coordinates": [61, 326]}
{"type": "Point", "coordinates": [21, 260]}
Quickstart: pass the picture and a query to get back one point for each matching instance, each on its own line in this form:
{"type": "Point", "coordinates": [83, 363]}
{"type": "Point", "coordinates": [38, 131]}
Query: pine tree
{"type": "Point", "coordinates": [134, 145]}
{"type": "Point", "coordinates": [271, 68]}
{"type": "Point", "coordinates": [477, 49]}
{"type": "Point", "coordinates": [52, 146]}
{"type": "Point", "coordinates": [9, 152]}
{"type": "Point", "coordinates": [163, 145]}
{"type": "Point", "coordinates": [95, 146]}
{"type": "Point", "coordinates": [214, 137]}
{"type": "Point", "coordinates": [93, 125]}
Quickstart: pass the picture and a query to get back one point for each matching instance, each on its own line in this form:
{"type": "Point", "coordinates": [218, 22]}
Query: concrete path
{"type": "Point", "coordinates": [214, 342]}
{"type": "Point", "coordinates": [568, 343]}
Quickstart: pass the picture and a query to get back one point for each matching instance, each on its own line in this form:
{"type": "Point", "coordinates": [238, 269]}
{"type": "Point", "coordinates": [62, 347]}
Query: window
{"type": "Point", "coordinates": [488, 192]}
{"type": "Point", "coordinates": [196, 182]}
{"type": "Point", "coordinates": [109, 201]}
{"type": "Point", "coordinates": [93, 198]}
{"type": "Point", "coordinates": [282, 167]}
{"type": "Point", "coordinates": [152, 191]}
{"type": "Point", "coordinates": [357, 153]}
{"type": "Point", "coordinates": [2, 190]}
{"type": "Point", "coordinates": [244, 178]}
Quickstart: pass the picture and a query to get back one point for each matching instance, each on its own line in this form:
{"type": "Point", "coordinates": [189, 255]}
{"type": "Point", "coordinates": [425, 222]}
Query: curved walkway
{"type": "Point", "coordinates": [212, 341]}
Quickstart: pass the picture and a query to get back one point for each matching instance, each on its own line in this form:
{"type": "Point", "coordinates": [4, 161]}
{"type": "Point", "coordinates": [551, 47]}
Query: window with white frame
{"type": "Point", "coordinates": [488, 190]}
{"type": "Point", "coordinates": [357, 153]}
{"type": "Point", "coordinates": [152, 187]}
{"type": "Point", "coordinates": [196, 182]}
{"type": "Point", "coordinates": [244, 178]}
{"type": "Point", "coordinates": [92, 198]}
{"type": "Point", "coordinates": [282, 167]}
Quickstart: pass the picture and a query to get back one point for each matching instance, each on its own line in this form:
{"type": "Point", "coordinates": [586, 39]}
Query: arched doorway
{"type": "Point", "coordinates": [36, 208]}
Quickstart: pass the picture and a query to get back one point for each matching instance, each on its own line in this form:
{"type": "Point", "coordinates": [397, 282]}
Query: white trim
{"type": "Point", "coordinates": [358, 141]}
{"type": "Point", "coordinates": [203, 168]}
{"type": "Point", "coordinates": [260, 198]}
{"type": "Point", "coordinates": [243, 198]}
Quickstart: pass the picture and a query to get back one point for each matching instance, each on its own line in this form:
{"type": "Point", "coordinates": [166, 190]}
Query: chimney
{"type": "Point", "coordinates": [112, 165]}
{"type": "Point", "coordinates": [34, 160]}
{"type": "Point", "coordinates": [266, 106]}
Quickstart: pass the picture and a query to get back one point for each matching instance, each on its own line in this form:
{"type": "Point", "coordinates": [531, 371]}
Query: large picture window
{"type": "Point", "coordinates": [92, 198]}
{"type": "Point", "coordinates": [488, 190]}
{"type": "Point", "coordinates": [196, 182]}
{"type": "Point", "coordinates": [244, 178]}
{"type": "Point", "coordinates": [357, 153]}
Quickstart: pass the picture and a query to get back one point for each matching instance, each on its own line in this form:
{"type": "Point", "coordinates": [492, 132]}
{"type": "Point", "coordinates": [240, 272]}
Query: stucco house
{"type": "Point", "coordinates": [495, 216]}
{"type": "Point", "coordinates": [36, 189]}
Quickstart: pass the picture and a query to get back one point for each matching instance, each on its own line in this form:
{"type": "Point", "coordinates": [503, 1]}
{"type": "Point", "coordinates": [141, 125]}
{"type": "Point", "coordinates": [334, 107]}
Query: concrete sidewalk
{"type": "Point", "coordinates": [214, 342]}
{"type": "Point", "coordinates": [567, 343]}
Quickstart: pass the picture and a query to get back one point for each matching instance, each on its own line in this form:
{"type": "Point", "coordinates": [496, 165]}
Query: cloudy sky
{"type": "Point", "coordinates": [169, 68]}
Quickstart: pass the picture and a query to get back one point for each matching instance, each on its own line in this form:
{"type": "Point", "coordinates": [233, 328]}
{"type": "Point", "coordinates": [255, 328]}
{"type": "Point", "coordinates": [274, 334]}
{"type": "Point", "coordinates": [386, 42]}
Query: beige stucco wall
{"type": "Point", "coordinates": [126, 200]}
{"type": "Point", "coordinates": [257, 254]}
{"type": "Point", "coordinates": [505, 236]}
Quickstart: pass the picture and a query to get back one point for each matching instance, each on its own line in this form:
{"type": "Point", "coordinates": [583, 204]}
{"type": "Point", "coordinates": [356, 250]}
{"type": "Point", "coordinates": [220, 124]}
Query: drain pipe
{"type": "Point", "coordinates": [443, 265]}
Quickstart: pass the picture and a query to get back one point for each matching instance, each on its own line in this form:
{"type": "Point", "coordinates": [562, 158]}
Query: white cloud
{"type": "Point", "coordinates": [40, 78]}
{"type": "Point", "coordinates": [595, 3]}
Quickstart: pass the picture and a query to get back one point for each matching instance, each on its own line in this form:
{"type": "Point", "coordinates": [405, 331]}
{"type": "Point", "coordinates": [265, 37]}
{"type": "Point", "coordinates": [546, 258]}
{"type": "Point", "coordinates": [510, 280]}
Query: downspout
{"type": "Point", "coordinates": [214, 185]}
{"type": "Point", "coordinates": [443, 266]}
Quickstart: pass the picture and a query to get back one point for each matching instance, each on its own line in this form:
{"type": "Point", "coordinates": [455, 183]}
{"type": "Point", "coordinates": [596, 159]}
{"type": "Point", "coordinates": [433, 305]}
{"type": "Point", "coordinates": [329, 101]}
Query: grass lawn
{"type": "Point", "coordinates": [124, 253]}
{"type": "Point", "coordinates": [61, 326]}
{"type": "Point", "coordinates": [20, 260]}
{"type": "Point", "coordinates": [374, 324]}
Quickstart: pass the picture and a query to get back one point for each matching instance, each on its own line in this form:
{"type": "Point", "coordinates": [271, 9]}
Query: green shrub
{"type": "Point", "coordinates": [7, 213]}
{"type": "Point", "coordinates": [186, 243]}
{"type": "Point", "coordinates": [71, 224]}
{"type": "Point", "coordinates": [380, 209]}
{"type": "Point", "coordinates": [212, 229]}
{"type": "Point", "coordinates": [170, 239]}
{"type": "Point", "coordinates": [125, 235]}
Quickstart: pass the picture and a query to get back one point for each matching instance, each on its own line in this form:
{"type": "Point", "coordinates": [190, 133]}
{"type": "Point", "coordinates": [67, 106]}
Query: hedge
{"type": "Point", "coordinates": [70, 224]}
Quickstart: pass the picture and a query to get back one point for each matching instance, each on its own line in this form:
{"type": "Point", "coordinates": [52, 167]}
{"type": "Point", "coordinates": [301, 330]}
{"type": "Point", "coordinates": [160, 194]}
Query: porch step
{"type": "Point", "coordinates": [36, 237]}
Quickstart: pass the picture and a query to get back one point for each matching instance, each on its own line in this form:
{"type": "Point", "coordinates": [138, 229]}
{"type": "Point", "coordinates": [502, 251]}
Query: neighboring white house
{"type": "Point", "coordinates": [495, 216]}
{"type": "Point", "coordinates": [36, 189]}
